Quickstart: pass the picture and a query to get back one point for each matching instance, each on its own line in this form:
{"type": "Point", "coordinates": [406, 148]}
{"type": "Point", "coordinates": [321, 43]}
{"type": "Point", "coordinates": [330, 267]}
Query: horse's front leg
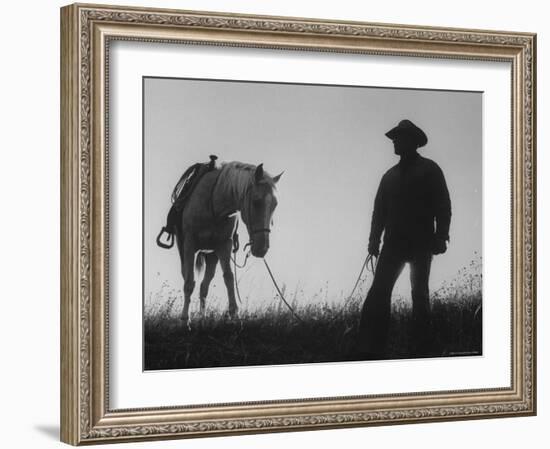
{"type": "Point", "coordinates": [224, 254]}
{"type": "Point", "coordinates": [209, 271]}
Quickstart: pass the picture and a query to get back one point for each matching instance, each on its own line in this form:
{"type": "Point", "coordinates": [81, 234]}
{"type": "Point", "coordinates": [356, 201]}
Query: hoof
{"type": "Point", "coordinates": [186, 323]}
{"type": "Point", "coordinates": [231, 315]}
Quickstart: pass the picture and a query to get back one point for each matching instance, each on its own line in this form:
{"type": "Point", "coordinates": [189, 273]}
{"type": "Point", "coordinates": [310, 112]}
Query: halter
{"type": "Point", "coordinates": [247, 194]}
{"type": "Point", "coordinates": [257, 230]}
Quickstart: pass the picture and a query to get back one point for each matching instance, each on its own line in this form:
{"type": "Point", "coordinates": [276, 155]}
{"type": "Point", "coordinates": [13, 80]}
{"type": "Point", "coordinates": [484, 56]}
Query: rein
{"type": "Point", "coordinates": [280, 293]}
{"type": "Point", "coordinates": [369, 263]}
{"type": "Point", "coordinates": [372, 269]}
{"type": "Point", "coordinates": [236, 265]}
{"type": "Point", "coordinates": [256, 231]}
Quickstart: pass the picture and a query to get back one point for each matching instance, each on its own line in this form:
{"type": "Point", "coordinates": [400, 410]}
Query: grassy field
{"type": "Point", "coordinates": [326, 332]}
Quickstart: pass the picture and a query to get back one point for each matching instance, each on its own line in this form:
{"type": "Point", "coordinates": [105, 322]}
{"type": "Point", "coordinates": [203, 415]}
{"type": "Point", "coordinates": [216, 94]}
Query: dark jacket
{"type": "Point", "coordinates": [412, 206]}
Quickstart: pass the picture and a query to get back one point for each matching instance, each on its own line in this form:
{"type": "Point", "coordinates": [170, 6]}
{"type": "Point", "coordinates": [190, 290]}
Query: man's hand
{"type": "Point", "coordinates": [374, 249]}
{"type": "Point", "coordinates": [439, 246]}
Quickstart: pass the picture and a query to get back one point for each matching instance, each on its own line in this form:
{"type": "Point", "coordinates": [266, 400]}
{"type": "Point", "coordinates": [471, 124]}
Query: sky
{"type": "Point", "coordinates": [330, 143]}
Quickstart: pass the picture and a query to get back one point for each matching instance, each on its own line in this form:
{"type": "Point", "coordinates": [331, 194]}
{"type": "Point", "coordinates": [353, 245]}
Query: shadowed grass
{"type": "Point", "coordinates": [272, 335]}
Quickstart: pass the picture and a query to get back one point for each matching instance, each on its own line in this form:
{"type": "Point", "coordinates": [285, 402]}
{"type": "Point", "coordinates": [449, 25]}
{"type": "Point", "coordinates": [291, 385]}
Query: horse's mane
{"type": "Point", "coordinates": [236, 177]}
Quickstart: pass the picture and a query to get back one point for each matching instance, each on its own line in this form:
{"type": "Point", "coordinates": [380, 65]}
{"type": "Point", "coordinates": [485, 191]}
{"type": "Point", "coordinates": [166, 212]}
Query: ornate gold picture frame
{"type": "Point", "coordinates": [87, 31]}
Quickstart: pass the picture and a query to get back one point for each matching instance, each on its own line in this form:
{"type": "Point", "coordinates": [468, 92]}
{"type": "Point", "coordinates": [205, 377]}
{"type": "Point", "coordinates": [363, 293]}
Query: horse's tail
{"type": "Point", "coordinates": [200, 261]}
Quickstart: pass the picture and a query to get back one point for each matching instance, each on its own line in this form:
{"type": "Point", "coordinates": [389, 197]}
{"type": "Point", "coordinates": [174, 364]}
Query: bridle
{"type": "Point", "coordinates": [247, 220]}
{"type": "Point", "coordinates": [256, 231]}
{"type": "Point", "coordinates": [253, 231]}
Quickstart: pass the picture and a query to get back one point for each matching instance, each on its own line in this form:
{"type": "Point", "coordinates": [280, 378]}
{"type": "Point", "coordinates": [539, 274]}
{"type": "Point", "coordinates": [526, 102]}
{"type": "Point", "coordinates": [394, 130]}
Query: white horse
{"type": "Point", "coordinates": [207, 228]}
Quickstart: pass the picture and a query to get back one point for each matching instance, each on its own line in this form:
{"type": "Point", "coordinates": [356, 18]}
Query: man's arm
{"type": "Point", "coordinates": [378, 220]}
{"type": "Point", "coordinates": [442, 205]}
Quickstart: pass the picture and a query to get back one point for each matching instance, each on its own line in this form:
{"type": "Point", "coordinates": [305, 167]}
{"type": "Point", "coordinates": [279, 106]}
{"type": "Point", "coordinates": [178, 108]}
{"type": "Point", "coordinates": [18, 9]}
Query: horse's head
{"type": "Point", "coordinates": [258, 210]}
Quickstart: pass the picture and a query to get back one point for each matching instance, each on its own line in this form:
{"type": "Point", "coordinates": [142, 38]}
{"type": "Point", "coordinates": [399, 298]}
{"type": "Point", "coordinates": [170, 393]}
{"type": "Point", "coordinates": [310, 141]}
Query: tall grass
{"type": "Point", "coordinates": [327, 331]}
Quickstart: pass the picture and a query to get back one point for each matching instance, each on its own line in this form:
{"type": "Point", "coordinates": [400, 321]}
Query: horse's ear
{"type": "Point", "coordinates": [276, 178]}
{"type": "Point", "coordinates": [259, 174]}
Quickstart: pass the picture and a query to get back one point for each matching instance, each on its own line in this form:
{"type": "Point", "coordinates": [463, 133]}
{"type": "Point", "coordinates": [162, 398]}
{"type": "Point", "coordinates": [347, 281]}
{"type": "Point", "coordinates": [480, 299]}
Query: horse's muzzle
{"type": "Point", "coordinates": [260, 244]}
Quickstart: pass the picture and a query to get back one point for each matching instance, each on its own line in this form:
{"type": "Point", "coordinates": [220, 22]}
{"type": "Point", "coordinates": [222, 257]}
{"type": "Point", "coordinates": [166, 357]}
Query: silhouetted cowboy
{"type": "Point", "coordinates": [413, 209]}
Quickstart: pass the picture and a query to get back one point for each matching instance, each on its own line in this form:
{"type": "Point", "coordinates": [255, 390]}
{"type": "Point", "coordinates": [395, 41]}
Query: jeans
{"type": "Point", "coordinates": [375, 316]}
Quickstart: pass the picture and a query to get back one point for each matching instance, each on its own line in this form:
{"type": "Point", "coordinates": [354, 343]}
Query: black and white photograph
{"type": "Point", "coordinates": [293, 223]}
{"type": "Point", "coordinates": [275, 224]}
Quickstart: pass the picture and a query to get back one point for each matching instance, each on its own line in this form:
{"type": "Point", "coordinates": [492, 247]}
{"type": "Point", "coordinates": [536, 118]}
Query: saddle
{"type": "Point", "coordinates": [180, 195]}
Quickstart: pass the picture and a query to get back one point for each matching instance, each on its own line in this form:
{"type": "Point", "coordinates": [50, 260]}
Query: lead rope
{"type": "Point", "coordinates": [280, 293]}
{"type": "Point", "coordinates": [236, 279]}
{"type": "Point", "coordinates": [365, 263]}
{"type": "Point", "coordinates": [370, 265]}
{"type": "Point", "coordinates": [369, 260]}
{"type": "Point", "coordinates": [372, 269]}
{"type": "Point", "coordinates": [235, 265]}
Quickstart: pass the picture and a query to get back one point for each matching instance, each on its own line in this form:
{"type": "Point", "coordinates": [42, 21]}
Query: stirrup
{"type": "Point", "coordinates": [169, 240]}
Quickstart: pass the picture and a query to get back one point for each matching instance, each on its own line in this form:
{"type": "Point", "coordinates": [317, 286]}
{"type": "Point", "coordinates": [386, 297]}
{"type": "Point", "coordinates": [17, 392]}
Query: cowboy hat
{"type": "Point", "coordinates": [408, 128]}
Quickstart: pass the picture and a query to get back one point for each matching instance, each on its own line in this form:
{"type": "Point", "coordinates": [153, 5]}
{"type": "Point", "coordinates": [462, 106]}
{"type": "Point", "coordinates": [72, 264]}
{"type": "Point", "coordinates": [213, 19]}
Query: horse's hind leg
{"type": "Point", "coordinates": [225, 261]}
{"type": "Point", "coordinates": [188, 272]}
{"type": "Point", "coordinates": [210, 270]}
